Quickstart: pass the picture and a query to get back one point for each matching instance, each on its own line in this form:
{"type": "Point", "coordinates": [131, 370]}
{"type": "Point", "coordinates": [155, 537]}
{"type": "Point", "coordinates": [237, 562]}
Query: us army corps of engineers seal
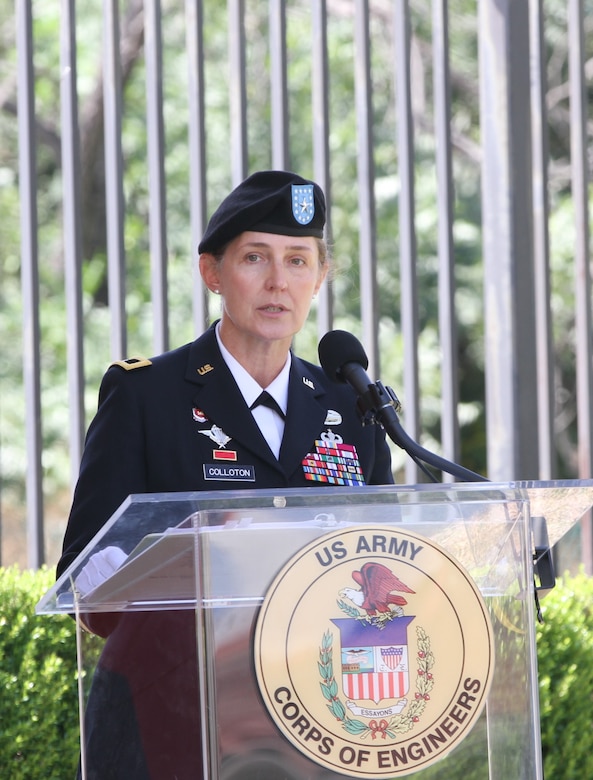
{"type": "Point", "coordinates": [374, 652]}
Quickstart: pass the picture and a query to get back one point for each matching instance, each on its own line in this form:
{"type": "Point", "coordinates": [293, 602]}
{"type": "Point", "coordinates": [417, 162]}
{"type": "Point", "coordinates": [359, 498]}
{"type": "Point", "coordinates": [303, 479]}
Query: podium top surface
{"type": "Point", "coordinates": [146, 553]}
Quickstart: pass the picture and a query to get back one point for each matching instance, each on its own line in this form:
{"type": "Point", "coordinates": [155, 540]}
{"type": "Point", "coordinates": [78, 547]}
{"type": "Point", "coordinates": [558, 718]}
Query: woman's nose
{"type": "Point", "coordinates": [277, 277]}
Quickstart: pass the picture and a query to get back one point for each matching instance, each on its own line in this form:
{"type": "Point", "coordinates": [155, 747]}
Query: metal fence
{"type": "Point", "coordinates": [509, 76]}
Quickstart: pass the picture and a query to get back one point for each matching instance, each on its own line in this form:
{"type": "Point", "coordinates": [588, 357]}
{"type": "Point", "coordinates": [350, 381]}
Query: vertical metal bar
{"type": "Point", "coordinates": [278, 84]}
{"type": "Point", "coordinates": [445, 195]}
{"type": "Point", "coordinates": [197, 151]}
{"type": "Point", "coordinates": [237, 91]}
{"type": "Point", "coordinates": [320, 95]}
{"type": "Point", "coordinates": [72, 233]}
{"type": "Point", "coordinates": [30, 282]}
{"type": "Point", "coordinates": [579, 165]}
{"type": "Point", "coordinates": [511, 381]}
{"type": "Point", "coordinates": [366, 178]}
{"type": "Point", "coordinates": [1, 487]}
{"type": "Point", "coordinates": [541, 244]}
{"type": "Point", "coordinates": [114, 175]}
{"type": "Point", "coordinates": [153, 49]}
{"type": "Point", "coordinates": [407, 230]}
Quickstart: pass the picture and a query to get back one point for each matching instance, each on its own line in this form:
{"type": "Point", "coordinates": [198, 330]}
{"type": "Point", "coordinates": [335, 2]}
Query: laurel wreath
{"type": "Point", "coordinates": [398, 724]}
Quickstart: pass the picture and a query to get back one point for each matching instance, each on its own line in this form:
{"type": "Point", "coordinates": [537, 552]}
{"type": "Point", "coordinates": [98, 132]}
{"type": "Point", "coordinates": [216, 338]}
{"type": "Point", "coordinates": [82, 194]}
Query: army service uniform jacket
{"type": "Point", "coordinates": [161, 427]}
{"type": "Point", "coordinates": [168, 425]}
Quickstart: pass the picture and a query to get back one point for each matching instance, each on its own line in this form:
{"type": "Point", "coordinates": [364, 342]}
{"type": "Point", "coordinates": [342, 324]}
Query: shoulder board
{"type": "Point", "coordinates": [131, 363]}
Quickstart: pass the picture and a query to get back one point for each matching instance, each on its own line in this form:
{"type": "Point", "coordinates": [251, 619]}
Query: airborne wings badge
{"type": "Point", "coordinates": [374, 652]}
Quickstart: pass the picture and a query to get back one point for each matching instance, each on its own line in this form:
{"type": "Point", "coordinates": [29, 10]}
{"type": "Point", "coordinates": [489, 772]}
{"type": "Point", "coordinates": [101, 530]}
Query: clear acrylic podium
{"type": "Point", "coordinates": [181, 612]}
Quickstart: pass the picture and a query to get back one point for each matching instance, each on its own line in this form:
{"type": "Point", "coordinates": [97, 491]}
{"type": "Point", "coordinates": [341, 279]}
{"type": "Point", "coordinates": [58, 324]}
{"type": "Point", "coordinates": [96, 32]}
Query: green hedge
{"type": "Point", "coordinates": [565, 658]}
{"type": "Point", "coordinates": [38, 690]}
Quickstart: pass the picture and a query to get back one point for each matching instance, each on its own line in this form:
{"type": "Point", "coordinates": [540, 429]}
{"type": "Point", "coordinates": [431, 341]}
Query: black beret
{"type": "Point", "coordinates": [267, 202]}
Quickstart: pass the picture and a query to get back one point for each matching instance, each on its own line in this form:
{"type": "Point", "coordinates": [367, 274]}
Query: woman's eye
{"type": "Point", "coordinates": [252, 258]}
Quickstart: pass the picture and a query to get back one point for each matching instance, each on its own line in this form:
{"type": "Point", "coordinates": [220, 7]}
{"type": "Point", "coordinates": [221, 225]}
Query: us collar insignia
{"type": "Point", "coordinates": [206, 368]}
{"type": "Point", "coordinates": [308, 382]}
{"type": "Point", "coordinates": [217, 435]}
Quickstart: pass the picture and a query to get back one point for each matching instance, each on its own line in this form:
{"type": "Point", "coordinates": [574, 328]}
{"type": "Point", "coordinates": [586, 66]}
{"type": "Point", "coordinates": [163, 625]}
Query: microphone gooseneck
{"type": "Point", "coordinates": [343, 359]}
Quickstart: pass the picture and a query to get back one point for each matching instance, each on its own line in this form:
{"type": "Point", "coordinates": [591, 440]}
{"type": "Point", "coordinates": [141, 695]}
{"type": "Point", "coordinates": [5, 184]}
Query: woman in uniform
{"type": "Point", "coordinates": [237, 395]}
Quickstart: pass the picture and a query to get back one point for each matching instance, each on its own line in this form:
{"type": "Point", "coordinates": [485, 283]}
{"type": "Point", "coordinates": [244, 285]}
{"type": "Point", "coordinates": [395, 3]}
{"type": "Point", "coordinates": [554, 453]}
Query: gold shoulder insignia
{"type": "Point", "coordinates": [130, 363]}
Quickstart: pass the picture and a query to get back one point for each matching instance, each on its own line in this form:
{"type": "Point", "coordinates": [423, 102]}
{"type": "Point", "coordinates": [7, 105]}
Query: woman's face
{"type": "Point", "coordinates": [267, 282]}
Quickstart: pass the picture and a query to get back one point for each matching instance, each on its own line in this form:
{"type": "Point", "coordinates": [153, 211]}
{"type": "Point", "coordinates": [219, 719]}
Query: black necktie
{"type": "Point", "coordinates": [265, 399]}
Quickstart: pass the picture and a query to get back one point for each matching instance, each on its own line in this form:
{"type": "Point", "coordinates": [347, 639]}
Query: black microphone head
{"type": "Point", "coordinates": [337, 348]}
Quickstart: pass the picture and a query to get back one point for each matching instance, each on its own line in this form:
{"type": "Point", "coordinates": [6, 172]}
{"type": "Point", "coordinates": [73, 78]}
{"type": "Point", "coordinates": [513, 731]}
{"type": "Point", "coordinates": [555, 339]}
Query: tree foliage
{"type": "Point", "coordinates": [343, 140]}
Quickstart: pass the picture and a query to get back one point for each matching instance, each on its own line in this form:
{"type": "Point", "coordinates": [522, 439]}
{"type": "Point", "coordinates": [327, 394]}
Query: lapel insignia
{"type": "Point", "coordinates": [333, 417]}
{"type": "Point", "coordinates": [205, 369]}
{"type": "Point", "coordinates": [217, 435]}
{"type": "Point", "coordinates": [198, 415]}
{"type": "Point", "coordinates": [308, 382]}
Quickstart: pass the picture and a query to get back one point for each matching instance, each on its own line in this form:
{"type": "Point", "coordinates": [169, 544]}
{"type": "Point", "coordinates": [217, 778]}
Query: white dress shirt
{"type": "Point", "coordinates": [270, 423]}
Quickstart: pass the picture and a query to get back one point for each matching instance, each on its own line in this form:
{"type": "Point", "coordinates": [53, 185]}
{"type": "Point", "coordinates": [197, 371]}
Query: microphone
{"type": "Point", "coordinates": [343, 359]}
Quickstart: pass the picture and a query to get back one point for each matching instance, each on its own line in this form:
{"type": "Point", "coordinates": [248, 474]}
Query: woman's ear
{"type": "Point", "coordinates": [209, 271]}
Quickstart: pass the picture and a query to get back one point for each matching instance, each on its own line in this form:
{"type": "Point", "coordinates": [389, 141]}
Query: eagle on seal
{"type": "Point", "coordinates": [377, 586]}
